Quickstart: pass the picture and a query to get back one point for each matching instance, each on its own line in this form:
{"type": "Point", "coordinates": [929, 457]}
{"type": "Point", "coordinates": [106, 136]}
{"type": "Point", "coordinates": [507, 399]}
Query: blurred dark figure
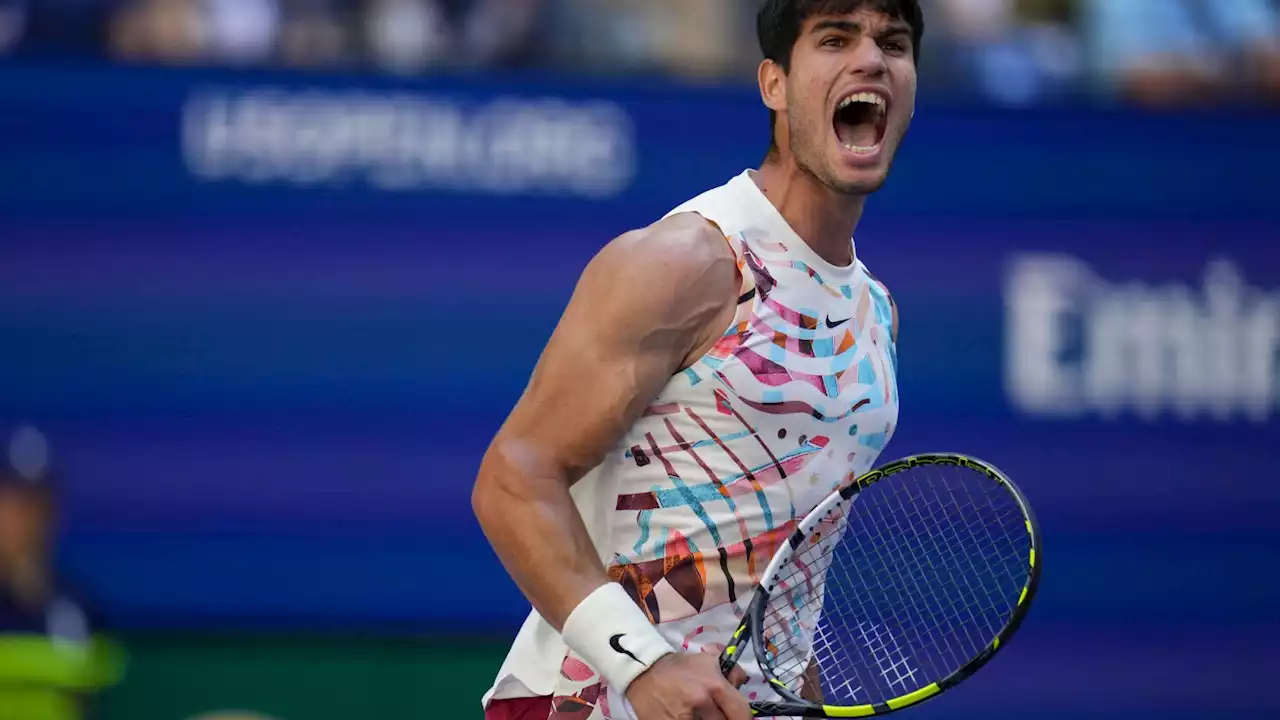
{"type": "Point", "coordinates": [416, 35]}
{"type": "Point", "coordinates": [55, 660]}
{"type": "Point", "coordinates": [1015, 52]}
{"type": "Point", "coordinates": [163, 31]}
{"type": "Point", "coordinates": [695, 41]}
{"type": "Point", "coordinates": [54, 28]}
{"type": "Point", "coordinates": [13, 24]}
{"type": "Point", "coordinates": [1185, 52]}
{"type": "Point", "coordinates": [405, 36]}
{"type": "Point", "coordinates": [318, 33]}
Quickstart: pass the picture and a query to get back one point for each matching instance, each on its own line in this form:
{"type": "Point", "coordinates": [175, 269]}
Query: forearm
{"type": "Point", "coordinates": [529, 516]}
{"type": "Point", "coordinates": [812, 688]}
{"type": "Point", "coordinates": [530, 519]}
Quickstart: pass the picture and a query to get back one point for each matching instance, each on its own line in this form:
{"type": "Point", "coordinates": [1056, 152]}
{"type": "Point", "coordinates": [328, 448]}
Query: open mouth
{"type": "Point", "coordinates": [860, 122]}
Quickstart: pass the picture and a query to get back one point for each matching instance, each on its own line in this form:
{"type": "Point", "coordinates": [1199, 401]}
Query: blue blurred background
{"type": "Point", "coordinates": [245, 246]}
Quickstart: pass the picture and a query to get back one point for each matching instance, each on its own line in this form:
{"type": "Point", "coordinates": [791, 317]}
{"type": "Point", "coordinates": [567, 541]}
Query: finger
{"type": "Point", "coordinates": [733, 704]}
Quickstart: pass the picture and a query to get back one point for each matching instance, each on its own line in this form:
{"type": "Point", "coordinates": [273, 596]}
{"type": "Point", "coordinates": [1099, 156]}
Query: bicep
{"type": "Point", "coordinates": [628, 327]}
{"type": "Point", "coordinates": [587, 387]}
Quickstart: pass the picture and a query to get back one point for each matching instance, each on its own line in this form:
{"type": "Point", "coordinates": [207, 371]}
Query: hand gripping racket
{"type": "Point", "coordinates": [892, 590]}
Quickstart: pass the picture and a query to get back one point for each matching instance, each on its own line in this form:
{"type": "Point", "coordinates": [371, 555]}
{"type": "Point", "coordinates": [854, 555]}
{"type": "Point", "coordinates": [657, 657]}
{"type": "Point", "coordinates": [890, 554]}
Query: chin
{"type": "Point", "coordinates": [862, 170]}
{"type": "Point", "coordinates": [864, 181]}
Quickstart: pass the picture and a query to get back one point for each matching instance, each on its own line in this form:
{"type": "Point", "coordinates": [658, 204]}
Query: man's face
{"type": "Point", "coordinates": [24, 526]}
{"type": "Point", "coordinates": [849, 98]}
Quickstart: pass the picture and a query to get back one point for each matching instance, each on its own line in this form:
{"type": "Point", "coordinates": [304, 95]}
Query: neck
{"type": "Point", "coordinates": [825, 219]}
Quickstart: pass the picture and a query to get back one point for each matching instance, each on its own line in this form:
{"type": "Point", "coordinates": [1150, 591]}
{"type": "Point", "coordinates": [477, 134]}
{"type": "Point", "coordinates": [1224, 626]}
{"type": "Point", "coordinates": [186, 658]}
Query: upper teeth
{"type": "Point", "coordinates": [864, 97]}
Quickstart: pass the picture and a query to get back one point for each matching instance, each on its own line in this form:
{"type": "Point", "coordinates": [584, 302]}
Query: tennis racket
{"type": "Point", "coordinates": [892, 590]}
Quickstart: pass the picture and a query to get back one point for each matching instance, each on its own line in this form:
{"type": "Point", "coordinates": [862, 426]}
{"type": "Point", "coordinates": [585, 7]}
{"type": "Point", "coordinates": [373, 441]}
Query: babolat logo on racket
{"type": "Point", "coordinates": [615, 642]}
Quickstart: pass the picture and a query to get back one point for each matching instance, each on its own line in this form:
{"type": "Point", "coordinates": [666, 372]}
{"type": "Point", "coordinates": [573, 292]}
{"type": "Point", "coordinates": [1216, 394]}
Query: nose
{"type": "Point", "coordinates": [868, 59]}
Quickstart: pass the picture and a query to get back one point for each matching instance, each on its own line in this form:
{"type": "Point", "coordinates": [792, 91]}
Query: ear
{"type": "Point", "coordinates": [773, 86]}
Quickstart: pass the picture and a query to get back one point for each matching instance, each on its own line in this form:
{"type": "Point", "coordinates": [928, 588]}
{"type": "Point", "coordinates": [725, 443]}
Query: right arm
{"type": "Point", "coordinates": [650, 302]}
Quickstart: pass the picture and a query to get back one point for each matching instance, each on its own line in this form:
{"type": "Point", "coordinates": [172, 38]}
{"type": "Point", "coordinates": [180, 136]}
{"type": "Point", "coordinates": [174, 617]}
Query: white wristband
{"type": "Point", "coordinates": [614, 636]}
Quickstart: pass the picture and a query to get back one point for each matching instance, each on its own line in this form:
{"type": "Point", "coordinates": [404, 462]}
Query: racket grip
{"type": "Point", "coordinates": [729, 657]}
{"type": "Point", "coordinates": [726, 664]}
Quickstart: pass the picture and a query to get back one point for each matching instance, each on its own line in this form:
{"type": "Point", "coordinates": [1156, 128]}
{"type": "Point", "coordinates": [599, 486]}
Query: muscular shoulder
{"type": "Point", "coordinates": [641, 308]}
{"type": "Point", "coordinates": [678, 250]}
{"type": "Point", "coordinates": [677, 270]}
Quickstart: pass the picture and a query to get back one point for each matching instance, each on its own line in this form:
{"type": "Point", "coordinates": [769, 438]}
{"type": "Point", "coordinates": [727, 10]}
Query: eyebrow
{"type": "Point", "coordinates": [897, 27]}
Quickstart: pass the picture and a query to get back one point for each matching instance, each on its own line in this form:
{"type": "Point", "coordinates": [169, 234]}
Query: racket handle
{"type": "Point", "coordinates": [726, 664]}
{"type": "Point", "coordinates": [733, 650]}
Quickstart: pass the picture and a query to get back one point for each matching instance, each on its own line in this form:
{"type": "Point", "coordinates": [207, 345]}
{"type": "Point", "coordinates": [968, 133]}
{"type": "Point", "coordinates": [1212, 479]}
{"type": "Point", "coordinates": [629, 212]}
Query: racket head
{"type": "Point", "coordinates": [964, 552]}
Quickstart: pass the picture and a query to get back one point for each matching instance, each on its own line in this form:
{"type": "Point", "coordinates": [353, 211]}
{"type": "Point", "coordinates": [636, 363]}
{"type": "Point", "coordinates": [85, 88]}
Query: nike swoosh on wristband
{"type": "Point", "coordinates": [614, 642]}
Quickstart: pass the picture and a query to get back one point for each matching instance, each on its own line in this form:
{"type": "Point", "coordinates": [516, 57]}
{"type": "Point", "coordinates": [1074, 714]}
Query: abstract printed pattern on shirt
{"type": "Point", "coordinates": [795, 398]}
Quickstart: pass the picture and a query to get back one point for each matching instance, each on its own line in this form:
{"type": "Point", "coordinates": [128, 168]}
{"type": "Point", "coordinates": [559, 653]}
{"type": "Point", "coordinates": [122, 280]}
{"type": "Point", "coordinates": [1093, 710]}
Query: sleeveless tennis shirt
{"type": "Point", "coordinates": [799, 393]}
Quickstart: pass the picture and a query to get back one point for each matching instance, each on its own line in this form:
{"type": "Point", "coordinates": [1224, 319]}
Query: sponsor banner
{"type": "Point", "coordinates": [269, 324]}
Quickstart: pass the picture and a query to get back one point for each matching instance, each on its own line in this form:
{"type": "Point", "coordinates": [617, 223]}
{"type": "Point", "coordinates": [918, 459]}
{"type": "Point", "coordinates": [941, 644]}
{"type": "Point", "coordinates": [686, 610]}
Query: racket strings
{"type": "Point", "coordinates": [954, 541]}
{"type": "Point", "coordinates": [891, 662]}
{"type": "Point", "coordinates": [950, 568]}
{"type": "Point", "coordinates": [879, 643]}
{"type": "Point", "coordinates": [903, 584]}
{"type": "Point", "coordinates": [973, 571]}
{"type": "Point", "coordinates": [901, 557]}
{"type": "Point", "coordinates": [946, 543]}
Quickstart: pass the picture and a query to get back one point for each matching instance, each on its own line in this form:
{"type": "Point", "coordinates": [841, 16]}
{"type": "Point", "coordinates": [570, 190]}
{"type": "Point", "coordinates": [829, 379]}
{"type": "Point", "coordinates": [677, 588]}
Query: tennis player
{"type": "Point", "coordinates": [714, 375]}
{"type": "Point", "coordinates": [56, 658]}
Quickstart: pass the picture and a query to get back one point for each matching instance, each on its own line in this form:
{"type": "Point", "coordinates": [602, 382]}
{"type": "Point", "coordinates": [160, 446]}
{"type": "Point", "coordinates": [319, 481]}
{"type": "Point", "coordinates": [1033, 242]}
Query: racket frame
{"type": "Point", "coordinates": [751, 629]}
